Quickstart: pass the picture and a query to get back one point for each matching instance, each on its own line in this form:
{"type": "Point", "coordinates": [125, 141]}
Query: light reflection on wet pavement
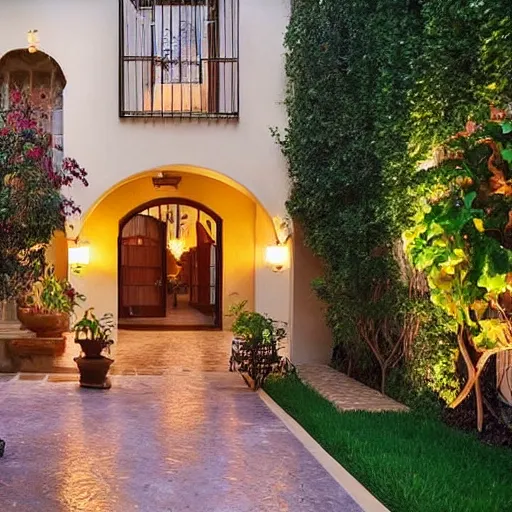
{"type": "Point", "coordinates": [181, 441]}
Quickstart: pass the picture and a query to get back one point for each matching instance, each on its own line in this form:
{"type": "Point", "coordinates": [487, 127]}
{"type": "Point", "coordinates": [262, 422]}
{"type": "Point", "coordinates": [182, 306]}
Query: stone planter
{"type": "Point", "coordinates": [93, 371]}
{"type": "Point", "coordinates": [44, 325]}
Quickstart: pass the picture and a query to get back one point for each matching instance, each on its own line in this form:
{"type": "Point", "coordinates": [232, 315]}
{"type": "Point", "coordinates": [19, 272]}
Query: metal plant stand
{"type": "Point", "coordinates": [257, 361]}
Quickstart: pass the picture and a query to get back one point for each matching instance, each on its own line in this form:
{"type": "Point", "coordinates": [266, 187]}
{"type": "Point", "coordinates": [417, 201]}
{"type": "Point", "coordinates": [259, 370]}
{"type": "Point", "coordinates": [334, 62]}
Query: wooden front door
{"type": "Point", "coordinates": [142, 268]}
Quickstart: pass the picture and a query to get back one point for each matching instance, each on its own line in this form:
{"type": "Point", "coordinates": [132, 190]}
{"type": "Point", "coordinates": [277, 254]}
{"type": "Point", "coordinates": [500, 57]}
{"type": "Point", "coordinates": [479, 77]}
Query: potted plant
{"type": "Point", "coordinates": [94, 335]}
{"type": "Point", "coordinates": [46, 309]}
{"type": "Point", "coordinates": [256, 340]}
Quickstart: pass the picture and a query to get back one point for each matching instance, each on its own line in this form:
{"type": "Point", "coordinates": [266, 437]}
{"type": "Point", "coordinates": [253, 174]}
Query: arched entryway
{"type": "Point", "coordinates": [170, 266]}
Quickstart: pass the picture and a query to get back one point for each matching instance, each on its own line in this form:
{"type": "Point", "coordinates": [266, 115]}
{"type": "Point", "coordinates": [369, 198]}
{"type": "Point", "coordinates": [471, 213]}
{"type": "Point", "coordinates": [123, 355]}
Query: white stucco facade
{"type": "Point", "coordinates": [82, 36]}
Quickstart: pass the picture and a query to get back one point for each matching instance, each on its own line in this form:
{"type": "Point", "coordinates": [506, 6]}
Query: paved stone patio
{"type": "Point", "coordinates": [345, 393]}
{"type": "Point", "coordinates": [150, 353]}
{"type": "Point", "coordinates": [188, 437]}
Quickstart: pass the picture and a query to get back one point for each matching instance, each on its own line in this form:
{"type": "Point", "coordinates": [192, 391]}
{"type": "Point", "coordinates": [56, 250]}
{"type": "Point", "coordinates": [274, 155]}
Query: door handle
{"type": "Point", "coordinates": [158, 282]}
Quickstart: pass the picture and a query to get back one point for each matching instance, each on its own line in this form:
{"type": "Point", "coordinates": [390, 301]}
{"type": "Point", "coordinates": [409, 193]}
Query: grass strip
{"type": "Point", "coordinates": [409, 462]}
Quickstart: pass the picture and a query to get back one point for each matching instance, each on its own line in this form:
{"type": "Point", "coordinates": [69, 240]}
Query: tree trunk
{"type": "Point", "coordinates": [383, 370]}
{"type": "Point", "coordinates": [479, 406]}
{"type": "Point", "coordinates": [472, 381]}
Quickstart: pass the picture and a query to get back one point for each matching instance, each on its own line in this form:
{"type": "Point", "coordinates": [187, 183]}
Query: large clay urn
{"type": "Point", "coordinates": [44, 325]}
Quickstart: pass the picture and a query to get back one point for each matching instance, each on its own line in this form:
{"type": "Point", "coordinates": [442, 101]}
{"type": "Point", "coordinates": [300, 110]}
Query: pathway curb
{"type": "Point", "coordinates": [354, 488]}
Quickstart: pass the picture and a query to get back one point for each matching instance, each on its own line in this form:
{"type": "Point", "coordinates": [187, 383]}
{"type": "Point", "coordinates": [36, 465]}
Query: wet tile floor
{"type": "Point", "coordinates": [155, 353]}
{"type": "Point", "coordinates": [192, 438]}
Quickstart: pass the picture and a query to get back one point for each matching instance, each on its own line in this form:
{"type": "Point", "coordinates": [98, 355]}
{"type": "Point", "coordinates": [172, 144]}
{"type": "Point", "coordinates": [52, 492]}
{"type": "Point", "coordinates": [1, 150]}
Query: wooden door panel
{"type": "Point", "coordinates": [142, 268]}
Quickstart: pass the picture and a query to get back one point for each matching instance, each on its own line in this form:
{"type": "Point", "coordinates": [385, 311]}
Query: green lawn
{"type": "Point", "coordinates": [410, 463]}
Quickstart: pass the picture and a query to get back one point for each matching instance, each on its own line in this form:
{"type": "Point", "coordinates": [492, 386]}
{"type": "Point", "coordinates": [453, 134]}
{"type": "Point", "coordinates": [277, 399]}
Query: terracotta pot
{"type": "Point", "coordinates": [93, 371]}
{"type": "Point", "coordinates": [91, 348]}
{"type": "Point", "coordinates": [51, 325]}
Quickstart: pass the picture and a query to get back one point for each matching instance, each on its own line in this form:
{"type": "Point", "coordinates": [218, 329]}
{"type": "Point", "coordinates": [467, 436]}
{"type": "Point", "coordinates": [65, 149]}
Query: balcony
{"type": "Point", "coordinates": [179, 58]}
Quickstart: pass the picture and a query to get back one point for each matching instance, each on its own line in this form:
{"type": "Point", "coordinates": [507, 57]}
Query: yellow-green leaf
{"type": "Point", "coordinates": [494, 333]}
{"type": "Point", "coordinates": [479, 225]}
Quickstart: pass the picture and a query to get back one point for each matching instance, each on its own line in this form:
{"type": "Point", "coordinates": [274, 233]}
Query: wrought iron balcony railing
{"type": "Point", "coordinates": [178, 58]}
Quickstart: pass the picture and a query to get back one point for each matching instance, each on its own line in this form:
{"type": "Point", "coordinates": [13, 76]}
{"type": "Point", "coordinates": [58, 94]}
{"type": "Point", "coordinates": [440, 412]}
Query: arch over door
{"type": "Point", "coordinates": [142, 268]}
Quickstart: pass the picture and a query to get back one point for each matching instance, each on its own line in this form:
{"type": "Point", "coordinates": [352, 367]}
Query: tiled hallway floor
{"type": "Point", "coordinates": [199, 442]}
{"type": "Point", "coordinates": [182, 315]}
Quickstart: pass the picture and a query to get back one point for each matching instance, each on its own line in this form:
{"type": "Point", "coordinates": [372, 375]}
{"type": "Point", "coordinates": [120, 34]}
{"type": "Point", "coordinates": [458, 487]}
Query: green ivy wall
{"type": "Point", "coordinates": [373, 87]}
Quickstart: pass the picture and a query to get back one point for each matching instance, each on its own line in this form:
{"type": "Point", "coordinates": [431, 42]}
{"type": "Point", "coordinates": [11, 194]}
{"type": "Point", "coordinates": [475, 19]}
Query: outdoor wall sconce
{"type": "Point", "coordinates": [33, 41]}
{"type": "Point", "coordinates": [277, 257]}
{"type": "Point", "coordinates": [78, 258]}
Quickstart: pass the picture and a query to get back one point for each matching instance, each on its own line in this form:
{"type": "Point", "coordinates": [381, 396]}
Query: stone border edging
{"type": "Point", "coordinates": [354, 488]}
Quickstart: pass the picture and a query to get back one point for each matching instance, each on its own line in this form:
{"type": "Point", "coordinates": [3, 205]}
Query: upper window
{"type": "Point", "coordinates": [179, 58]}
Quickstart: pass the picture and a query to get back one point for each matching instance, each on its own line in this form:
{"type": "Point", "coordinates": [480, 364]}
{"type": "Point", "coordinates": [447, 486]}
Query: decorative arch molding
{"type": "Point", "coordinates": [170, 200]}
{"type": "Point", "coordinates": [180, 169]}
{"type": "Point", "coordinates": [22, 59]}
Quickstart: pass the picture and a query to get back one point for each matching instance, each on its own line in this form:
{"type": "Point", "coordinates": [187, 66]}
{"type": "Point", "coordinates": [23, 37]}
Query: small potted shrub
{"type": "Point", "coordinates": [47, 308]}
{"type": "Point", "coordinates": [94, 335]}
{"type": "Point", "coordinates": [257, 337]}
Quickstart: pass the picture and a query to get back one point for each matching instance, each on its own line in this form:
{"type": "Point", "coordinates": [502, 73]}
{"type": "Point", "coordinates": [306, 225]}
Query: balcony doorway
{"type": "Point", "coordinates": [170, 267]}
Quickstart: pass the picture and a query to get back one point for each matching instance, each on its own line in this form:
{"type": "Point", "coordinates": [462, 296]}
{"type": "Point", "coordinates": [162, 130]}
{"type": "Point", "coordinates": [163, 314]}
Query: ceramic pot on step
{"type": "Point", "coordinates": [44, 325]}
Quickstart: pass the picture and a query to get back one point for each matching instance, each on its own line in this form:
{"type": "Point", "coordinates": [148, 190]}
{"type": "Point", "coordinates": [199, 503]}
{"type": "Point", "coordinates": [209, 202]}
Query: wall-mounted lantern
{"type": "Point", "coordinates": [78, 258]}
{"type": "Point", "coordinates": [33, 41]}
{"type": "Point", "coordinates": [277, 257]}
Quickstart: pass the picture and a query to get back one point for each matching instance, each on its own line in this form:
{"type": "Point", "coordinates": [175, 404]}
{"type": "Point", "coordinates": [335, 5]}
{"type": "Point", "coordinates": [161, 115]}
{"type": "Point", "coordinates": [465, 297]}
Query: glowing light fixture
{"type": "Point", "coordinates": [277, 257]}
{"type": "Point", "coordinates": [177, 247]}
{"type": "Point", "coordinates": [33, 41]}
{"type": "Point", "coordinates": [78, 258]}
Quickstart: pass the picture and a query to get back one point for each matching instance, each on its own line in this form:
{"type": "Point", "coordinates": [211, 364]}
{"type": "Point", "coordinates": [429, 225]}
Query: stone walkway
{"type": "Point", "coordinates": [176, 432]}
{"type": "Point", "coordinates": [200, 442]}
{"type": "Point", "coordinates": [345, 393]}
{"type": "Point", "coordinates": [149, 353]}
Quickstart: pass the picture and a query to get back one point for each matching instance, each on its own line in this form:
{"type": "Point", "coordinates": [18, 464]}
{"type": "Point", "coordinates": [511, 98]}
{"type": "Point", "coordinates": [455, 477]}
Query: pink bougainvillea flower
{"type": "Point", "coordinates": [16, 96]}
{"type": "Point", "coordinates": [35, 153]}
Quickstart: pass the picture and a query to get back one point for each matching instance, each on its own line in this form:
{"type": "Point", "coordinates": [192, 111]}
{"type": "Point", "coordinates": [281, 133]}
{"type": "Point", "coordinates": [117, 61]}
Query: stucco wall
{"type": "Point", "coordinates": [82, 35]}
{"type": "Point", "coordinates": [312, 339]}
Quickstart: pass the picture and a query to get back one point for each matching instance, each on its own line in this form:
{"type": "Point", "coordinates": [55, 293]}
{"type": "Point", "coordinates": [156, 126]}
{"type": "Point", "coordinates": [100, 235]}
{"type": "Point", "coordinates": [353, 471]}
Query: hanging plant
{"type": "Point", "coordinates": [461, 238]}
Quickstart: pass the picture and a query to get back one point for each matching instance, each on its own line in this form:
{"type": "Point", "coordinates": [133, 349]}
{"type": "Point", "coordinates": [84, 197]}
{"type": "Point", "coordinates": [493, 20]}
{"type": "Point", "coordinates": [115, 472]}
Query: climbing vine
{"type": "Point", "coordinates": [461, 240]}
{"type": "Point", "coordinates": [374, 87]}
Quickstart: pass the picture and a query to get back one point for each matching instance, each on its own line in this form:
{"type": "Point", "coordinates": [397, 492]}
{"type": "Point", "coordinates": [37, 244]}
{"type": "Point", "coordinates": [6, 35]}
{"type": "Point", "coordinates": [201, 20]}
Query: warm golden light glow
{"type": "Point", "coordinates": [78, 257]}
{"type": "Point", "coordinates": [177, 247]}
{"type": "Point", "coordinates": [277, 257]}
{"type": "Point", "coordinates": [33, 40]}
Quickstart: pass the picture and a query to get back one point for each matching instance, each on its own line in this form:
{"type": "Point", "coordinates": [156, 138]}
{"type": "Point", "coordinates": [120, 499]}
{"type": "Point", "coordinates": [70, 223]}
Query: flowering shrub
{"type": "Point", "coordinates": [32, 204]}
